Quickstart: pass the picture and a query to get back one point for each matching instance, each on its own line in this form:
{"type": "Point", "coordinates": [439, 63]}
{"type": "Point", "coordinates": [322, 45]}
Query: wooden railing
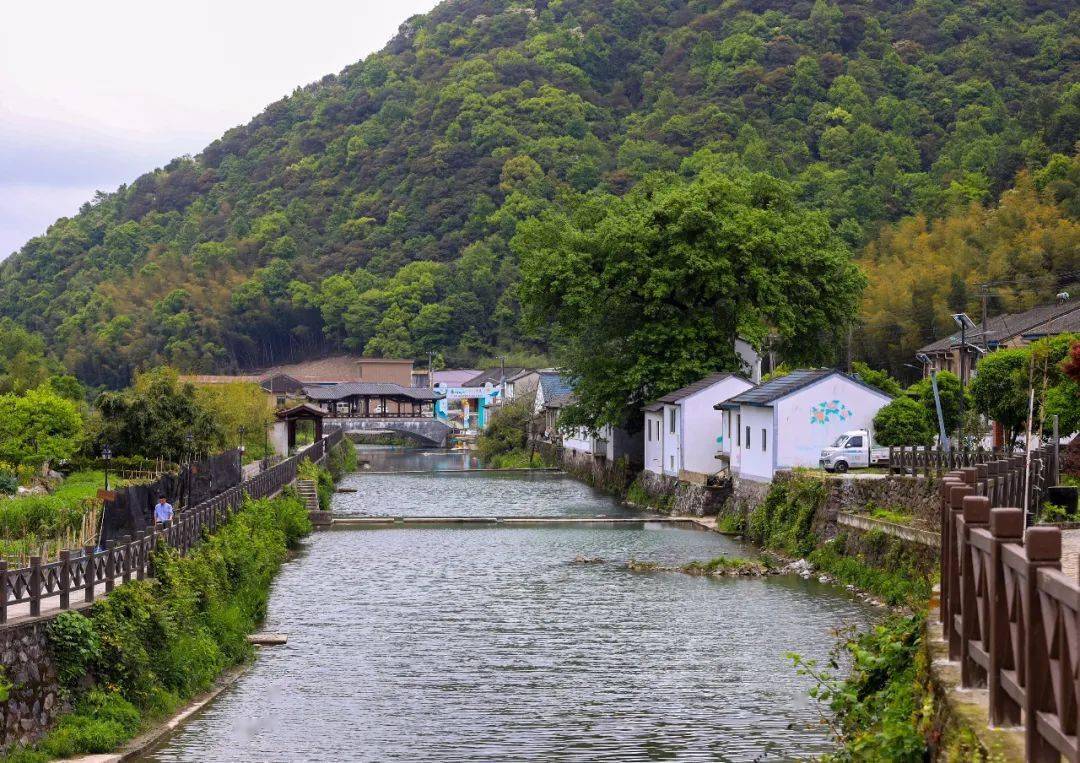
{"type": "Point", "coordinates": [1010, 616]}
{"type": "Point", "coordinates": [81, 571]}
{"type": "Point", "coordinates": [936, 462]}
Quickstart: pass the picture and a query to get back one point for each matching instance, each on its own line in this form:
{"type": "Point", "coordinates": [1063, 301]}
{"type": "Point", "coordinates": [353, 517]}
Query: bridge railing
{"type": "Point", "coordinates": [79, 572]}
{"type": "Point", "coordinates": [1010, 616]}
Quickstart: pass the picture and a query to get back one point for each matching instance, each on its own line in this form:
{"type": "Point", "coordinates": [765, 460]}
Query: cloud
{"type": "Point", "coordinates": [123, 86]}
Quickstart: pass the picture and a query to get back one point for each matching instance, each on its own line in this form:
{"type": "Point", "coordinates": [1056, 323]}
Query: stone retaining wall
{"type": "Point", "coordinates": [683, 498]}
{"type": "Point", "coordinates": [33, 701]}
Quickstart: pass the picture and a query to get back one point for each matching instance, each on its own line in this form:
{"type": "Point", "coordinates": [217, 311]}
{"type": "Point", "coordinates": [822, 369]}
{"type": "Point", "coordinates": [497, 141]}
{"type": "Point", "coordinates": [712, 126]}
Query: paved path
{"type": "Point", "coordinates": [1070, 553]}
{"type": "Point", "coordinates": [18, 613]}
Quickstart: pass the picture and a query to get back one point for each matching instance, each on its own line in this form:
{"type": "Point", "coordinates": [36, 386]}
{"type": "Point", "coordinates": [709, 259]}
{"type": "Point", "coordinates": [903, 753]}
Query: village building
{"type": "Point", "coordinates": [785, 422]}
{"type": "Point", "coordinates": [960, 352]}
{"type": "Point", "coordinates": [466, 404]}
{"type": "Point", "coordinates": [683, 432]}
{"type": "Point", "coordinates": [554, 393]}
{"type": "Point", "coordinates": [373, 400]}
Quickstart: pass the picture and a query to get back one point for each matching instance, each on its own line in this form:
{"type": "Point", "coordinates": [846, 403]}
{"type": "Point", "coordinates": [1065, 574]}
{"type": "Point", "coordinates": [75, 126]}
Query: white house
{"type": "Point", "coordinates": [785, 422]}
{"type": "Point", "coordinates": [683, 430]}
{"type": "Point", "coordinates": [553, 393]}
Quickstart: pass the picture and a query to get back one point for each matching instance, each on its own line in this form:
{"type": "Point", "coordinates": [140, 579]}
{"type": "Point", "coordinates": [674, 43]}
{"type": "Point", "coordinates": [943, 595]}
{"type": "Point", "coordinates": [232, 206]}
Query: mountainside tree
{"type": "Point", "coordinates": [647, 293]}
{"type": "Point", "coordinates": [484, 113]}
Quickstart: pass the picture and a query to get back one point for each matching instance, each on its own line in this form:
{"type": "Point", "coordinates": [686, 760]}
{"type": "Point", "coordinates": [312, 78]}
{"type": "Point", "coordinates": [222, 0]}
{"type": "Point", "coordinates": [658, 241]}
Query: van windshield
{"type": "Point", "coordinates": [839, 443]}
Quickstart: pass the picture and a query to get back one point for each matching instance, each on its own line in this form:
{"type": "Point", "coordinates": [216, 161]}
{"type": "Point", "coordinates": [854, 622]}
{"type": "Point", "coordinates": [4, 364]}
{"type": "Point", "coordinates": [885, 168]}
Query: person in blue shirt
{"type": "Point", "coordinates": [163, 511]}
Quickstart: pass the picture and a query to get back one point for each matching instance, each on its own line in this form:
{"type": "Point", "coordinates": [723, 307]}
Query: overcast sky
{"type": "Point", "coordinates": [93, 94]}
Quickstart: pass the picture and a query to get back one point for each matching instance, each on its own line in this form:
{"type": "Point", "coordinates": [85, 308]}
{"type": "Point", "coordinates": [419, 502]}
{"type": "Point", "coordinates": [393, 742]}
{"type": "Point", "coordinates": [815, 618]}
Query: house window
{"type": "Point", "coordinates": [728, 414]}
{"type": "Point", "coordinates": [747, 435]}
{"type": "Point", "coordinates": [672, 463]}
{"type": "Point", "coordinates": [649, 424]}
{"type": "Point", "coordinates": [673, 421]}
{"type": "Point", "coordinates": [763, 439]}
{"type": "Point", "coordinates": [738, 429]}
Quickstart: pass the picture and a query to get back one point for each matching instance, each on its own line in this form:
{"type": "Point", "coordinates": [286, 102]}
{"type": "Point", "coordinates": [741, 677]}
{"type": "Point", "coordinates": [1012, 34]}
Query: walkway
{"type": "Point", "coordinates": [1070, 553]}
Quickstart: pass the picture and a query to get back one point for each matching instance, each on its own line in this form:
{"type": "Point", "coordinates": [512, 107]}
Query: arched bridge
{"type": "Point", "coordinates": [428, 430]}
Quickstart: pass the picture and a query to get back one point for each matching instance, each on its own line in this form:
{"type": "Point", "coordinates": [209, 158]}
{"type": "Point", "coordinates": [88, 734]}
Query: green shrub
{"type": "Point", "coordinates": [9, 482]}
{"type": "Point", "coordinates": [784, 521]}
{"type": "Point", "coordinates": [75, 646]}
{"type": "Point", "coordinates": [880, 710]}
{"type": "Point", "coordinates": [153, 643]}
{"type": "Point", "coordinates": [324, 481]}
{"type": "Point", "coordinates": [506, 432]}
{"type": "Point", "coordinates": [342, 460]}
{"type": "Point", "coordinates": [101, 722]}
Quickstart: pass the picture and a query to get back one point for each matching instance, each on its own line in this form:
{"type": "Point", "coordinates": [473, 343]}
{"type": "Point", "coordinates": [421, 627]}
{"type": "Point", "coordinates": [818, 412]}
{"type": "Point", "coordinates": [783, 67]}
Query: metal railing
{"type": "Point", "coordinates": [1010, 616]}
{"type": "Point", "coordinates": [80, 571]}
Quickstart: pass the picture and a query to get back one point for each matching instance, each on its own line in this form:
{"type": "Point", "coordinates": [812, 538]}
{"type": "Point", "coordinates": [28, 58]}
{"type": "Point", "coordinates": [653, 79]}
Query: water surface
{"type": "Point", "coordinates": [493, 644]}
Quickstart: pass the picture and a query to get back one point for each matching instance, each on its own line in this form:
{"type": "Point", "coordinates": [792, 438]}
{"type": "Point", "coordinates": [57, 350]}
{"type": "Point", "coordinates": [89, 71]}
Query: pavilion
{"type": "Point", "coordinates": [374, 400]}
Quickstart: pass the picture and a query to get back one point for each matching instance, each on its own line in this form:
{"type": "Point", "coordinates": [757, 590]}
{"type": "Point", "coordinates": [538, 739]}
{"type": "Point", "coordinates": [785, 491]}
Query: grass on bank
{"type": "Point", "coordinates": [151, 645]}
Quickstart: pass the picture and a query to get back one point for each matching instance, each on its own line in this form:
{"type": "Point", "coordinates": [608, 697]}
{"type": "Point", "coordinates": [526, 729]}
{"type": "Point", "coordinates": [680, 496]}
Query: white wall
{"type": "Point", "coordinates": [670, 430]}
{"type": "Point", "coordinates": [654, 442]}
{"type": "Point", "coordinates": [756, 462]}
{"type": "Point", "coordinates": [806, 426]}
{"type": "Point", "coordinates": [703, 425]}
{"type": "Point", "coordinates": [750, 358]}
{"type": "Point", "coordinates": [579, 440]}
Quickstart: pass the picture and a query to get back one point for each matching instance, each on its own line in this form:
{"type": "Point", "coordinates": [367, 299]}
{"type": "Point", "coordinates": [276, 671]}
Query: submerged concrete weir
{"type": "Point", "coordinates": [430, 431]}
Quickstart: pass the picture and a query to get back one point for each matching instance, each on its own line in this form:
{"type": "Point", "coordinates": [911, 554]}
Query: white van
{"type": "Point", "coordinates": [853, 450]}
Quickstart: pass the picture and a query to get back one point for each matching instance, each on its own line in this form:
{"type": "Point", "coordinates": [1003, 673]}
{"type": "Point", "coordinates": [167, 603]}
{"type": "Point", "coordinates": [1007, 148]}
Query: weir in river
{"type": "Point", "coordinates": [466, 643]}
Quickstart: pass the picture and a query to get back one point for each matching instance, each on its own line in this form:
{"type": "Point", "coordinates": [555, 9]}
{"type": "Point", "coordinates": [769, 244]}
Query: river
{"type": "Point", "coordinates": [497, 644]}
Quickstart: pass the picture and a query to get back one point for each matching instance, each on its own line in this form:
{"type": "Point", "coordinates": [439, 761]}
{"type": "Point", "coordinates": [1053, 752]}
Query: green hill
{"type": "Point", "coordinates": [371, 210]}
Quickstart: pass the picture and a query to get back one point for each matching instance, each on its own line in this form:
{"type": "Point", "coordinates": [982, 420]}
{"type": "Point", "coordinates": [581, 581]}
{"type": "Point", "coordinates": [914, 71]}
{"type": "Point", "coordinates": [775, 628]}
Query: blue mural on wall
{"type": "Point", "coordinates": [826, 412]}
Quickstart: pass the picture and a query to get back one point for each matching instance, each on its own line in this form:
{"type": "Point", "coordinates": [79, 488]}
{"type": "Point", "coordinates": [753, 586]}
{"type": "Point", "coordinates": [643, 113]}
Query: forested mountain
{"type": "Point", "coordinates": [373, 210]}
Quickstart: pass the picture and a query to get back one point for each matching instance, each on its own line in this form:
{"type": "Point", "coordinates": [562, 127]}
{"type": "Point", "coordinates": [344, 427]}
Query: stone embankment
{"type": "Point", "coordinates": [33, 688]}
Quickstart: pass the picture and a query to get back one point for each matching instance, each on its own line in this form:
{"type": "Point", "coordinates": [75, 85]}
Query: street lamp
{"type": "Point", "coordinates": [925, 360]}
{"type": "Point", "coordinates": [106, 456]}
{"type": "Point", "coordinates": [242, 431]}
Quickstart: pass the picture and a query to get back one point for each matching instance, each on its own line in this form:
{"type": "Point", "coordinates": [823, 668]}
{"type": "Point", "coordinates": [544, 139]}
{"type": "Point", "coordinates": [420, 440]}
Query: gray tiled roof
{"type": "Point", "coordinates": [370, 389]}
{"type": "Point", "coordinates": [773, 390]}
{"type": "Point", "coordinates": [554, 385]}
{"type": "Point", "coordinates": [690, 389]}
{"type": "Point", "coordinates": [1044, 320]}
{"type": "Point", "coordinates": [492, 375]}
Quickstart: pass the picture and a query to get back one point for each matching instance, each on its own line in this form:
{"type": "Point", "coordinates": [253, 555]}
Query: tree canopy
{"type": "Point", "coordinates": [904, 124]}
{"type": "Point", "coordinates": [645, 293]}
{"type": "Point", "coordinates": [157, 417]}
{"type": "Point", "coordinates": [38, 428]}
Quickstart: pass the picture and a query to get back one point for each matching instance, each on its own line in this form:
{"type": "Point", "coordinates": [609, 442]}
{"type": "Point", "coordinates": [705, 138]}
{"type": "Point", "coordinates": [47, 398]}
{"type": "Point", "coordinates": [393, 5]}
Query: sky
{"type": "Point", "coordinates": [94, 94]}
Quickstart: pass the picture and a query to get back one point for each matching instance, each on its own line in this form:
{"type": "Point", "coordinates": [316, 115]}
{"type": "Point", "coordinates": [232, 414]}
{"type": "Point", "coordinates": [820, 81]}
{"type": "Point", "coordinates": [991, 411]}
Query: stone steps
{"type": "Point", "coordinates": [308, 493]}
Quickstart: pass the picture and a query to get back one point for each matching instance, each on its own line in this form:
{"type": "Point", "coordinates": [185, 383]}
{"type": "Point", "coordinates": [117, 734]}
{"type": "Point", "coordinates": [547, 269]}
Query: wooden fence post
{"type": "Point", "coordinates": [947, 546]}
{"type": "Point", "coordinates": [1006, 526]}
{"type": "Point", "coordinates": [1043, 549]}
{"type": "Point", "coordinates": [976, 515]}
{"type": "Point", "coordinates": [3, 590]}
{"type": "Point", "coordinates": [126, 560]}
{"type": "Point", "coordinates": [110, 565]}
{"type": "Point", "coordinates": [35, 586]}
{"type": "Point", "coordinates": [65, 579]}
{"type": "Point", "coordinates": [88, 578]}
{"type": "Point", "coordinates": [953, 627]}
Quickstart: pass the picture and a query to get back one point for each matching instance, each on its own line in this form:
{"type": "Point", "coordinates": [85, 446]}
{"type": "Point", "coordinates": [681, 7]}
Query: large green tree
{"type": "Point", "coordinates": [1001, 389]}
{"type": "Point", "coordinates": [483, 113]}
{"type": "Point", "coordinates": [38, 428]}
{"type": "Point", "coordinates": [157, 417]}
{"type": "Point", "coordinates": [646, 293]}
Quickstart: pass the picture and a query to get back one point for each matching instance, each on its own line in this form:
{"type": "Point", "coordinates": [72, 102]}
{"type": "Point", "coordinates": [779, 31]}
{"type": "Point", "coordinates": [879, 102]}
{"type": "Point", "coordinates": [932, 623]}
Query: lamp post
{"type": "Point", "coordinates": [106, 456]}
{"type": "Point", "coordinates": [925, 360]}
{"type": "Point", "coordinates": [242, 430]}
{"type": "Point", "coordinates": [964, 322]}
